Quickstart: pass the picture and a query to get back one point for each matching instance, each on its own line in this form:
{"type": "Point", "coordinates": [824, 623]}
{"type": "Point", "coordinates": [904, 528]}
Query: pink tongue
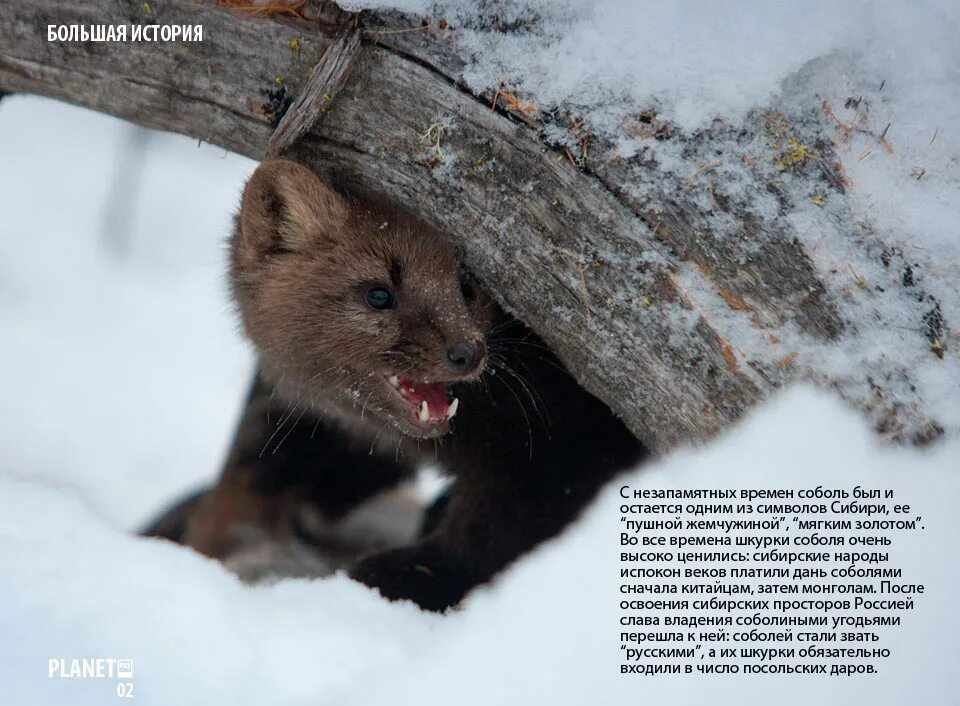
{"type": "Point", "coordinates": [435, 394]}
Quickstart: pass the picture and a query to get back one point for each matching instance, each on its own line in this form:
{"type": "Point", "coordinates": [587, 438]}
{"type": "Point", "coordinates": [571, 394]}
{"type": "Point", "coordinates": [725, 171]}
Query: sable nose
{"type": "Point", "coordinates": [464, 357]}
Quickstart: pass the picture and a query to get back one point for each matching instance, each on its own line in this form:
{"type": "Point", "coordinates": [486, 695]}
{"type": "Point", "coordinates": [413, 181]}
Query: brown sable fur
{"type": "Point", "coordinates": [302, 259]}
{"type": "Point", "coordinates": [352, 395]}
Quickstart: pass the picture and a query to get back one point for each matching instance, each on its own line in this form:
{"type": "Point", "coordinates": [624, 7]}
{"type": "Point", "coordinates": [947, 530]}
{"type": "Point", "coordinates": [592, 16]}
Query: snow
{"type": "Point", "coordinates": [546, 632]}
{"type": "Point", "coordinates": [836, 74]}
{"type": "Point", "coordinates": [125, 367]}
{"type": "Point", "coordinates": [698, 64]}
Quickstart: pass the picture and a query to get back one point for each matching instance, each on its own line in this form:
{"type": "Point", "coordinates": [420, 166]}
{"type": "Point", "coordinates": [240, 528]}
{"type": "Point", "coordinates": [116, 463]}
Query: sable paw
{"type": "Point", "coordinates": [421, 574]}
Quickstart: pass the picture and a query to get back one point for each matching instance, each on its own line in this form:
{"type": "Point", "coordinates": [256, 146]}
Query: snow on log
{"type": "Point", "coordinates": [681, 273]}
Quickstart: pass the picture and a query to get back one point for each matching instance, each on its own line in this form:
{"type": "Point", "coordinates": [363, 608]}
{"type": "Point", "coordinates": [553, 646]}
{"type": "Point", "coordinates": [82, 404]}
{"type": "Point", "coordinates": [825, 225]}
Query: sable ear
{"type": "Point", "coordinates": [288, 208]}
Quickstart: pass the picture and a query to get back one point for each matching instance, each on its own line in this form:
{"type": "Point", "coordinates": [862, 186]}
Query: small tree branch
{"type": "Point", "coordinates": [328, 77]}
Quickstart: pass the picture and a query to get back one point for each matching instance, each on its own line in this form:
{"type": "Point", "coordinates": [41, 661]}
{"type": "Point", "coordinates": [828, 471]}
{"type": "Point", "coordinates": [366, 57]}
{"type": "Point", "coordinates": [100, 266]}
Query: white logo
{"type": "Point", "coordinates": [125, 669]}
{"type": "Point", "coordinates": [94, 668]}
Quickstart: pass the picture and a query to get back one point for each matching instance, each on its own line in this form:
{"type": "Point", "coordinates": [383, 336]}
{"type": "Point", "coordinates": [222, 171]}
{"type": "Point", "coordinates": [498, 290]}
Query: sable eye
{"type": "Point", "coordinates": [380, 298]}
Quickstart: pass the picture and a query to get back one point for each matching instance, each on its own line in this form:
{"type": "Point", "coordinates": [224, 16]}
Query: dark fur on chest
{"type": "Point", "coordinates": [528, 452]}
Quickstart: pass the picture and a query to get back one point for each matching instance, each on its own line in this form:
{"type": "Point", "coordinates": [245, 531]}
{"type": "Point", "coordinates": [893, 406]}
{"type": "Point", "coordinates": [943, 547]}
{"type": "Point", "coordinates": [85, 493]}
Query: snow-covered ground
{"type": "Point", "coordinates": [123, 373]}
{"type": "Point", "coordinates": [123, 365]}
{"type": "Point", "coordinates": [546, 633]}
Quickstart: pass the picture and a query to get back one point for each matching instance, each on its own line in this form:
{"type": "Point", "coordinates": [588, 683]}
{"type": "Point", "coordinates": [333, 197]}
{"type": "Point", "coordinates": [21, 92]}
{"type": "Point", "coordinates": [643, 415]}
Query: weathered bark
{"type": "Point", "coordinates": [603, 272]}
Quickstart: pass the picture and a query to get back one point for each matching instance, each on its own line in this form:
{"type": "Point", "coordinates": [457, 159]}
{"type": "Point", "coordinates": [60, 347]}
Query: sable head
{"type": "Point", "coordinates": [353, 307]}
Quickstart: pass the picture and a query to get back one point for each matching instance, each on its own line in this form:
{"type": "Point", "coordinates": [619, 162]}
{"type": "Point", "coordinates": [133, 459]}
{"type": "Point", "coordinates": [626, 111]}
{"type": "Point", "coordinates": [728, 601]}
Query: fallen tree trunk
{"type": "Point", "coordinates": [665, 297]}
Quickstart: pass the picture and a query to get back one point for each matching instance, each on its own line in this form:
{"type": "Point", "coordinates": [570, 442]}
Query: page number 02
{"type": "Point", "coordinates": [125, 689]}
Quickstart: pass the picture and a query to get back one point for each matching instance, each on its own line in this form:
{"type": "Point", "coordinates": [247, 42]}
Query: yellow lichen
{"type": "Point", "coordinates": [796, 153]}
{"type": "Point", "coordinates": [793, 152]}
{"type": "Point", "coordinates": [938, 348]}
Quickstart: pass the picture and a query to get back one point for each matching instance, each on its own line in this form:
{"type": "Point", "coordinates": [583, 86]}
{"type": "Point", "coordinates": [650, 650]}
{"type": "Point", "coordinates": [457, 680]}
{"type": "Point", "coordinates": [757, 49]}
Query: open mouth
{"type": "Point", "coordinates": [429, 402]}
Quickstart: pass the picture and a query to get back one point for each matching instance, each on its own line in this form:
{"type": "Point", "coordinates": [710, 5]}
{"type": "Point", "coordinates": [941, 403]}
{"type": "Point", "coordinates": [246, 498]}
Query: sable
{"type": "Point", "coordinates": [371, 340]}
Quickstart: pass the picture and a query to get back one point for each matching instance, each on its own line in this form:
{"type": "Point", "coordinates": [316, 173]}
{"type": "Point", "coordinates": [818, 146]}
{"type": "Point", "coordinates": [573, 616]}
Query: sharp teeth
{"type": "Point", "coordinates": [394, 380]}
{"type": "Point", "coordinates": [424, 412]}
{"type": "Point", "coordinates": [452, 409]}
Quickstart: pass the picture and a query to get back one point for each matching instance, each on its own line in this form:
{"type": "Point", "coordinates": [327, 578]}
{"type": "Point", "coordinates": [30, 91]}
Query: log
{"type": "Point", "coordinates": [664, 295]}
